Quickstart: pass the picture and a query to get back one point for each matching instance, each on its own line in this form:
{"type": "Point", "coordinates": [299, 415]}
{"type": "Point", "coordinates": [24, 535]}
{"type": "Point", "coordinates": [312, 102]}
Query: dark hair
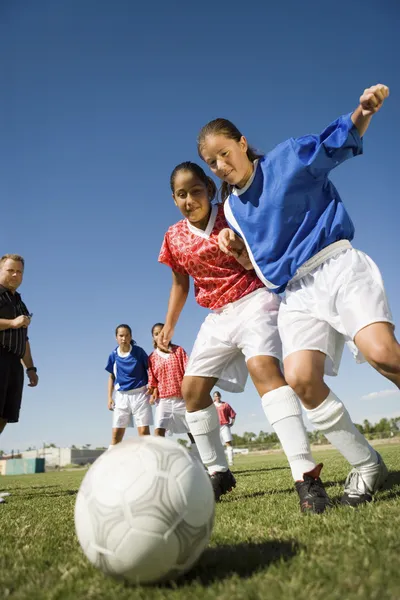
{"type": "Point", "coordinates": [123, 326]}
{"type": "Point", "coordinates": [196, 170]}
{"type": "Point", "coordinates": [217, 394]}
{"type": "Point", "coordinates": [152, 331]}
{"type": "Point", "coordinates": [229, 130]}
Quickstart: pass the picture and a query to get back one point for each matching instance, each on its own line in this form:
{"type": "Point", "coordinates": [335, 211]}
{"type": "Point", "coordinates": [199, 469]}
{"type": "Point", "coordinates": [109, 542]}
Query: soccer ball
{"type": "Point", "coordinates": [145, 511]}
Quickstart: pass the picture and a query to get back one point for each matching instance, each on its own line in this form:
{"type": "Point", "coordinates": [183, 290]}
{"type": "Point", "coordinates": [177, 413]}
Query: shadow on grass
{"type": "Point", "coordinates": [243, 560]}
{"type": "Point", "coordinates": [266, 470]}
{"type": "Point", "coordinates": [239, 497]}
{"type": "Point", "coordinates": [388, 492]}
{"type": "Point", "coordinates": [52, 494]}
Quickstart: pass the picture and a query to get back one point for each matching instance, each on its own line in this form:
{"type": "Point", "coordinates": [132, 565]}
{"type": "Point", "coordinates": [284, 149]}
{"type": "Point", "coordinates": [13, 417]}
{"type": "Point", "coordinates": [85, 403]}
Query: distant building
{"type": "Point", "coordinates": [61, 457]}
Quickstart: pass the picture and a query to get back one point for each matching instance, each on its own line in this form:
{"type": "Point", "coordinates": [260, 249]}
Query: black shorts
{"type": "Point", "coordinates": [11, 384]}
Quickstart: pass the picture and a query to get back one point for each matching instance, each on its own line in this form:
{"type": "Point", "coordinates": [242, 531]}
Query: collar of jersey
{"type": "Point", "coordinates": [163, 354]}
{"type": "Point", "coordinates": [210, 225]}
{"type": "Point", "coordinates": [244, 189]}
{"type": "Point", "coordinates": [125, 353]}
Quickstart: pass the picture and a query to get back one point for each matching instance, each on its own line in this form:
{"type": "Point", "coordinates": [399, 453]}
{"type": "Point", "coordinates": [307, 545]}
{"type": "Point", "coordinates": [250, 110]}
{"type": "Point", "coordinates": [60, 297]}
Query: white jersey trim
{"type": "Point", "coordinates": [231, 219]}
{"type": "Point", "coordinates": [239, 191]}
{"type": "Point", "coordinates": [162, 354]}
{"type": "Point", "coordinates": [210, 225]}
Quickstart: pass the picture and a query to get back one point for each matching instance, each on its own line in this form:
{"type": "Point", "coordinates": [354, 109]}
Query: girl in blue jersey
{"type": "Point", "coordinates": [127, 386]}
{"type": "Point", "coordinates": [297, 234]}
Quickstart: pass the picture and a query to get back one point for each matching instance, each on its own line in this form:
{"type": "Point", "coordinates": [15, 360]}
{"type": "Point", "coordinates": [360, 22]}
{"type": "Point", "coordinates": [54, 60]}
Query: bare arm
{"type": "Point", "coordinates": [370, 102]}
{"type": "Point", "coordinates": [27, 361]}
{"type": "Point", "coordinates": [16, 323]}
{"type": "Point", "coordinates": [110, 388]}
{"type": "Point", "coordinates": [177, 299]}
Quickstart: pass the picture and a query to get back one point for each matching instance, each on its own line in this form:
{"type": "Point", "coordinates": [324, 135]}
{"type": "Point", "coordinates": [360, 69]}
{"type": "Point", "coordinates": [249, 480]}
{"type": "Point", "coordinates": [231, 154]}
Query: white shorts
{"type": "Point", "coordinates": [230, 336]}
{"type": "Point", "coordinates": [132, 405]}
{"type": "Point", "coordinates": [171, 415]}
{"type": "Point", "coordinates": [331, 304]}
{"type": "Point", "coordinates": [225, 434]}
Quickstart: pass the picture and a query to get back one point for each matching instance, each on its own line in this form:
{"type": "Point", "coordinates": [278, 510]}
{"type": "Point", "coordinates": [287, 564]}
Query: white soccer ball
{"type": "Point", "coordinates": [145, 511]}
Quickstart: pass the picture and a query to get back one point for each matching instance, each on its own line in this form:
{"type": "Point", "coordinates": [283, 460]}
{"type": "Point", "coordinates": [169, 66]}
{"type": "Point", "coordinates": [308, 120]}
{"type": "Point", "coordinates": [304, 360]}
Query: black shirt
{"type": "Point", "coordinates": [11, 306]}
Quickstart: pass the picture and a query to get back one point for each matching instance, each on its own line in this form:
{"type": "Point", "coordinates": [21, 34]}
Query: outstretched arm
{"type": "Point", "coordinates": [370, 102]}
{"type": "Point", "coordinates": [177, 299]}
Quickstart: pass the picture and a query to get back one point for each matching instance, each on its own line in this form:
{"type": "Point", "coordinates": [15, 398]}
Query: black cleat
{"type": "Point", "coordinates": [222, 482]}
{"type": "Point", "coordinates": [312, 494]}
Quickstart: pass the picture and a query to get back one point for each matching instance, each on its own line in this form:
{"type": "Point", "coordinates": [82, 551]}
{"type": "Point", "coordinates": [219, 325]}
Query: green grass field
{"type": "Point", "coordinates": [262, 547]}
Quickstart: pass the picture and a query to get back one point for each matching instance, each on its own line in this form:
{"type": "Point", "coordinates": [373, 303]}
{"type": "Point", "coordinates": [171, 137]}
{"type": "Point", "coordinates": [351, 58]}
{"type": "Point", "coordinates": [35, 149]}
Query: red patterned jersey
{"type": "Point", "coordinates": [166, 371]}
{"type": "Point", "coordinates": [225, 412]}
{"type": "Point", "coordinates": [218, 278]}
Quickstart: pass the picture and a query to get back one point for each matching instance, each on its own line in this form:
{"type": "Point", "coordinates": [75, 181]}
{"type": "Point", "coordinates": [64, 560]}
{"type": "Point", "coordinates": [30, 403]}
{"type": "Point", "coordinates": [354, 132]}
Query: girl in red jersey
{"type": "Point", "coordinates": [166, 371]}
{"type": "Point", "coordinates": [240, 335]}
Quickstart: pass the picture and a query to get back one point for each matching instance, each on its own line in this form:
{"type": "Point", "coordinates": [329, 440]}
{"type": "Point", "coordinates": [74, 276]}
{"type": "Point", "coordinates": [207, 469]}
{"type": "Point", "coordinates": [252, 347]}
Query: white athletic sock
{"type": "Point", "coordinates": [204, 427]}
{"type": "Point", "coordinates": [229, 451]}
{"type": "Point", "coordinates": [283, 410]}
{"type": "Point", "coordinates": [111, 446]}
{"type": "Point", "coordinates": [332, 418]}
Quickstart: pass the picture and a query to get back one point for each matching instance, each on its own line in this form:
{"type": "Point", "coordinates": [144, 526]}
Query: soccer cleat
{"type": "Point", "coordinates": [222, 482]}
{"type": "Point", "coordinates": [361, 484]}
{"type": "Point", "coordinates": [312, 494]}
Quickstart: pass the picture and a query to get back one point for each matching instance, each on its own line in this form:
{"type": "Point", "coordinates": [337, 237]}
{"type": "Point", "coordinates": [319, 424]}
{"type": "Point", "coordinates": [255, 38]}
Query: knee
{"type": "Point", "coordinates": [265, 373]}
{"type": "Point", "coordinates": [384, 356]}
{"type": "Point", "coordinates": [190, 394]}
{"type": "Point", "coordinates": [302, 382]}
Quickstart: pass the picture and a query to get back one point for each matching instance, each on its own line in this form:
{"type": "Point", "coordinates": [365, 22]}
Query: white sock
{"type": "Point", "coordinates": [204, 427]}
{"type": "Point", "coordinates": [111, 446]}
{"type": "Point", "coordinates": [229, 451]}
{"type": "Point", "coordinates": [332, 418]}
{"type": "Point", "coordinates": [283, 410]}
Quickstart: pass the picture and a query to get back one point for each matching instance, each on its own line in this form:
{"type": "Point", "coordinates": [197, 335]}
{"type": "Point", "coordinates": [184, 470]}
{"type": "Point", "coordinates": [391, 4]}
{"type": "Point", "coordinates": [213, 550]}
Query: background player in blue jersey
{"type": "Point", "coordinates": [297, 234]}
{"type": "Point", "coordinates": [127, 386]}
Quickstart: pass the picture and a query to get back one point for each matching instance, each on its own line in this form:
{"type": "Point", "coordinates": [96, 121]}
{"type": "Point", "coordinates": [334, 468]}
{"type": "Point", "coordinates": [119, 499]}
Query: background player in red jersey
{"type": "Point", "coordinates": [166, 371]}
{"type": "Point", "coordinates": [227, 417]}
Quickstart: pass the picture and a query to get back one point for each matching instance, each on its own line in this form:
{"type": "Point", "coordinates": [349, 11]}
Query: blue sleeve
{"type": "Point", "coordinates": [145, 359]}
{"type": "Point", "coordinates": [322, 153]}
{"type": "Point", "coordinates": [110, 363]}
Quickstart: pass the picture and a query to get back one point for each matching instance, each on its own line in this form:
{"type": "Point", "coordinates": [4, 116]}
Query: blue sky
{"type": "Point", "coordinates": [99, 100]}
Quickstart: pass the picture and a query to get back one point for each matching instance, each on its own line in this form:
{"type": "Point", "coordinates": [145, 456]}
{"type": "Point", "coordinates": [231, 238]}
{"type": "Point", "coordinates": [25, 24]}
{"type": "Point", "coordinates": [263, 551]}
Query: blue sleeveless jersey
{"type": "Point", "coordinates": [290, 210]}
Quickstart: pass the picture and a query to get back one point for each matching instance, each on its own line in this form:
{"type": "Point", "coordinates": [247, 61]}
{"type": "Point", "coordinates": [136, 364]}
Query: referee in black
{"type": "Point", "coordinates": [14, 343]}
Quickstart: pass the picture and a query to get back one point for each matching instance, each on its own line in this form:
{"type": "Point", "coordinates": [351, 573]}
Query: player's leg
{"type": "Point", "coordinates": [117, 435]}
{"type": "Point", "coordinates": [122, 418]}
{"type": "Point", "coordinates": [260, 341]}
{"type": "Point", "coordinates": [213, 359]}
{"type": "Point", "coordinates": [283, 411]}
{"type": "Point", "coordinates": [229, 451]}
{"type": "Point", "coordinates": [202, 420]}
{"type": "Point", "coordinates": [305, 372]}
{"type": "Point", "coordinates": [161, 418]}
{"type": "Point", "coordinates": [3, 423]}
{"type": "Point", "coordinates": [319, 312]}
{"type": "Point", "coordinates": [379, 346]}
{"type": "Point", "coordinates": [141, 411]}
{"type": "Point", "coordinates": [145, 430]}
{"type": "Point", "coordinates": [159, 432]}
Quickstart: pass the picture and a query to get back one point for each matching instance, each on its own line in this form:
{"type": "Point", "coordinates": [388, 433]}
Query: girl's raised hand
{"type": "Point", "coordinates": [373, 98]}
